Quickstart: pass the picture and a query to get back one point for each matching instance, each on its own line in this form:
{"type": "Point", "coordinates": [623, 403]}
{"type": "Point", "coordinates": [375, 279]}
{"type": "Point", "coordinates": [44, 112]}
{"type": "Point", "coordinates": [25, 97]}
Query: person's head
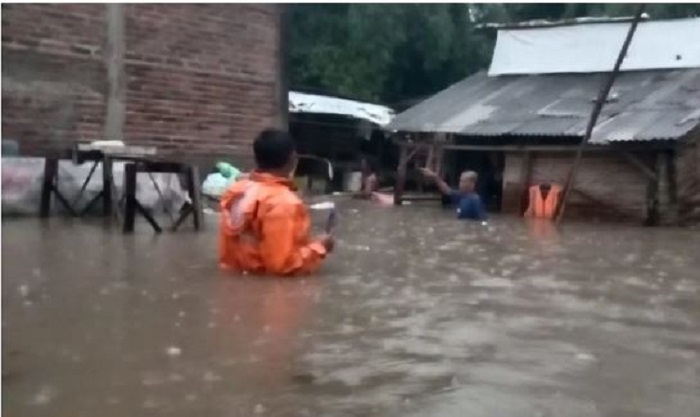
{"type": "Point", "coordinates": [467, 181]}
{"type": "Point", "coordinates": [275, 152]}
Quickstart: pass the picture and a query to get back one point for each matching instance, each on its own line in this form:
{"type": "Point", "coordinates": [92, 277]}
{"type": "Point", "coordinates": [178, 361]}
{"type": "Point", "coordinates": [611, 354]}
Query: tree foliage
{"type": "Point", "coordinates": [392, 52]}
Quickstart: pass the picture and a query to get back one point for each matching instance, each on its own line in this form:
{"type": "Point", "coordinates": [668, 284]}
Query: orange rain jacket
{"type": "Point", "coordinates": [265, 228]}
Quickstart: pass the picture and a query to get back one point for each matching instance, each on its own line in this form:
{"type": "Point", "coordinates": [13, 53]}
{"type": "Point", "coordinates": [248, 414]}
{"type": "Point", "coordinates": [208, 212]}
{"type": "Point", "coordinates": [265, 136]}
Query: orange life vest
{"type": "Point", "coordinates": [265, 228]}
{"type": "Point", "coordinates": [540, 206]}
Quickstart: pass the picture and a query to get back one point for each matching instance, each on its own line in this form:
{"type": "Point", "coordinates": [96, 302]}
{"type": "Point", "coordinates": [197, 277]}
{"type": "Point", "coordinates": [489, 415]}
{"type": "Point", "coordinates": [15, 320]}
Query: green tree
{"type": "Point", "coordinates": [391, 52]}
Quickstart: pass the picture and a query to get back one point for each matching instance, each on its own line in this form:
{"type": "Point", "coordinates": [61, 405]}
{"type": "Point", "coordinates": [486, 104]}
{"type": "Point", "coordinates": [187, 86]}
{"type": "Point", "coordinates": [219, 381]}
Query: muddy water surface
{"type": "Point", "coordinates": [415, 315]}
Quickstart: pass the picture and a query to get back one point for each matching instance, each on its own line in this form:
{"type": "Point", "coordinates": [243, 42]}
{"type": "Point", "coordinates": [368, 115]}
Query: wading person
{"type": "Point", "coordinates": [264, 224]}
{"type": "Point", "coordinates": [370, 184]}
{"type": "Point", "coordinates": [468, 203]}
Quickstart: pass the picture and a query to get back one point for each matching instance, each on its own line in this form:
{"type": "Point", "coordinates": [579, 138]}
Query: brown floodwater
{"type": "Point", "coordinates": [416, 314]}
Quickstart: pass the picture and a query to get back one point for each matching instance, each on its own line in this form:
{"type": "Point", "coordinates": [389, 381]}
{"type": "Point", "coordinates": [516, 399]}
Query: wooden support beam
{"type": "Point", "coordinates": [422, 197]}
{"type": "Point", "coordinates": [666, 189]}
{"type": "Point", "coordinates": [525, 176]}
{"type": "Point", "coordinates": [49, 187]}
{"type": "Point", "coordinates": [401, 175]}
{"type": "Point", "coordinates": [597, 107]}
{"type": "Point", "coordinates": [640, 165]}
{"type": "Point", "coordinates": [542, 148]}
{"type": "Point", "coordinates": [193, 183]}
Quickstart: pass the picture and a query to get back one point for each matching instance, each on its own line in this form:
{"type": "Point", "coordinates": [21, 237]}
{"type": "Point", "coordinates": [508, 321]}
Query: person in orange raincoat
{"type": "Point", "coordinates": [264, 224]}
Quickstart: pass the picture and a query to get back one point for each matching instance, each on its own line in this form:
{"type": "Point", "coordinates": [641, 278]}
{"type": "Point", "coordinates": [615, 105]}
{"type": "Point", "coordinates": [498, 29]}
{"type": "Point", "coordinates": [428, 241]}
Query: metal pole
{"type": "Point", "coordinates": [600, 101]}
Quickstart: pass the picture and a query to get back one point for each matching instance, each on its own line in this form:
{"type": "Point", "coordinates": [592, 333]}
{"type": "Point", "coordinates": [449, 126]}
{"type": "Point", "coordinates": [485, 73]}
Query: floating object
{"type": "Point", "coordinates": [326, 205]}
{"type": "Point", "coordinates": [173, 351]}
{"type": "Point", "coordinates": [382, 199]}
{"type": "Point", "coordinates": [331, 222]}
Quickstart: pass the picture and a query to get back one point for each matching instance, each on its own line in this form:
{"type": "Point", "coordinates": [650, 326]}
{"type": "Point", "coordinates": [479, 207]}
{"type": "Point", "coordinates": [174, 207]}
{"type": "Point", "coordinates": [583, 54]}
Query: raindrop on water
{"type": "Point", "coordinates": [173, 351]}
{"type": "Point", "coordinates": [45, 395]}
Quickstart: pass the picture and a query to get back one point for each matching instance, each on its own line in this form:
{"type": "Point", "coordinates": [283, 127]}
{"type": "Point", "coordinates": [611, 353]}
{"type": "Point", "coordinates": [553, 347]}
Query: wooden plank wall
{"type": "Point", "coordinates": [612, 188]}
{"type": "Point", "coordinates": [688, 178]}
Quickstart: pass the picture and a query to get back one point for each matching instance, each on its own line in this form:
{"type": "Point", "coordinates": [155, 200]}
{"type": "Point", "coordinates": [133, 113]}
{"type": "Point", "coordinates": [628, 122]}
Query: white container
{"type": "Point", "coordinates": [353, 181]}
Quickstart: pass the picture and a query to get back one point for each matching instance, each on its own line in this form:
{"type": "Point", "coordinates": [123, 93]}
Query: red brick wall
{"type": "Point", "coordinates": [201, 79]}
{"type": "Point", "coordinates": [53, 77]}
{"type": "Point", "coordinates": [605, 176]}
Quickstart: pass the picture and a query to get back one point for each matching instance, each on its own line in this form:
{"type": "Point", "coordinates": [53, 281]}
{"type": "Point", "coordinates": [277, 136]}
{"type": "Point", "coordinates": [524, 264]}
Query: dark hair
{"type": "Point", "coordinates": [272, 149]}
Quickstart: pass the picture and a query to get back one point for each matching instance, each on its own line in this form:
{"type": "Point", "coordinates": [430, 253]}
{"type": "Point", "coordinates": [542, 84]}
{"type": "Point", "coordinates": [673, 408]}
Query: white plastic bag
{"type": "Point", "coordinates": [216, 184]}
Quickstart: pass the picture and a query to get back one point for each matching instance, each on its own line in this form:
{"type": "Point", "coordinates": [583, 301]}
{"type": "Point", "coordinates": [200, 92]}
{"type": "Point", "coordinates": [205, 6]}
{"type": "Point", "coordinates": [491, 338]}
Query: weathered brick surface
{"type": "Point", "coordinates": [604, 176]}
{"type": "Point", "coordinates": [53, 87]}
{"type": "Point", "coordinates": [201, 79]}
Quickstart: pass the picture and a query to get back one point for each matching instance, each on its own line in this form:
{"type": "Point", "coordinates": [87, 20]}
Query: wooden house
{"type": "Point", "coordinates": [520, 123]}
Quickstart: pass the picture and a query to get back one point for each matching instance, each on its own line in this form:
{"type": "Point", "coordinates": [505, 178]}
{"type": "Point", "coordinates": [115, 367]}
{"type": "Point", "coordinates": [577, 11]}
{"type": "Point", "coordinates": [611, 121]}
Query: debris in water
{"type": "Point", "coordinates": [210, 376]}
{"type": "Point", "coordinates": [585, 357]}
{"type": "Point", "coordinates": [176, 378]}
{"type": "Point", "coordinates": [45, 395]}
{"type": "Point", "coordinates": [326, 205]}
{"type": "Point", "coordinates": [259, 409]}
{"type": "Point", "coordinates": [173, 351]}
{"type": "Point", "coordinates": [23, 290]}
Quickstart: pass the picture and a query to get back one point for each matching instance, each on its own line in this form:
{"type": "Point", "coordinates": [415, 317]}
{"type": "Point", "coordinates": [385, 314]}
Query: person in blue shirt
{"type": "Point", "coordinates": [468, 203]}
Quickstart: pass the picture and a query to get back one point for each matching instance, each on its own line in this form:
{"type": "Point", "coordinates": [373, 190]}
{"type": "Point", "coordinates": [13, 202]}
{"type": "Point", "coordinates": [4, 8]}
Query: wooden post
{"type": "Point", "coordinates": [50, 171]}
{"type": "Point", "coordinates": [107, 196]}
{"type": "Point", "coordinates": [652, 218]}
{"type": "Point", "coordinates": [525, 176]}
{"type": "Point", "coordinates": [193, 188]}
{"type": "Point", "coordinates": [666, 189]}
{"type": "Point", "coordinates": [598, 106]}
{"type": "Point", "coordinates": [401, 175]}
{"type": "Point", "coordinates": [130, 195]}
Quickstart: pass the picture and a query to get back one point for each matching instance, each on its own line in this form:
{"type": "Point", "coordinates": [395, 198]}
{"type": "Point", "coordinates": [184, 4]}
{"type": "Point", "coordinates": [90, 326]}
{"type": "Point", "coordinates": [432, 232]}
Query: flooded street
{"type": "Point", "coordinates": [416, 314]}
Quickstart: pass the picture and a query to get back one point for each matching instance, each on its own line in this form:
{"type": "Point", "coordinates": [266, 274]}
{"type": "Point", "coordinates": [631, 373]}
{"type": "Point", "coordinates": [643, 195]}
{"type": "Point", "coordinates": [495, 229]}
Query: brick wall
{"type": "Point", "coordinates": [605, 176]}
{"type": "Point", "coordinates": [200, 80]}
{"type": "Point", "coordinates": [53, 79]}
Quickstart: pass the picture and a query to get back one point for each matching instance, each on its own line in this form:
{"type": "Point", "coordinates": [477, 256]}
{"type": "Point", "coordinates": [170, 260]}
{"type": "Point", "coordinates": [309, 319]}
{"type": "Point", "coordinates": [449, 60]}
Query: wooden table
{"type": "Point", "coordinates": [138, 159]}
{"type": "Point", "coordinates": [133, 206]}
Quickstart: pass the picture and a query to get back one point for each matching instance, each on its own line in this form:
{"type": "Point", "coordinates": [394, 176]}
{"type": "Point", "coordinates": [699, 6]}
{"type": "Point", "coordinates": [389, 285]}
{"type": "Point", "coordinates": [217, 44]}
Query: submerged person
{"type": "Point", "coordinates": [264, 224]}
{"type": "Point", "coordinates": [370, 183]}
{"type": "Point", "coordinates": [468, 203]}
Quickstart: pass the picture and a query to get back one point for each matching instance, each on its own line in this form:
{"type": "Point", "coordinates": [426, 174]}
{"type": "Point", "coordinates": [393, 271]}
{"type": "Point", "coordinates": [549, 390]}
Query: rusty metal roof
{"type": "Point", "coordinates": [643, 105]}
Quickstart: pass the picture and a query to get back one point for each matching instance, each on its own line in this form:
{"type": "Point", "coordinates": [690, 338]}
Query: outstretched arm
{"type": "Point", "coordinates": [439, 182]}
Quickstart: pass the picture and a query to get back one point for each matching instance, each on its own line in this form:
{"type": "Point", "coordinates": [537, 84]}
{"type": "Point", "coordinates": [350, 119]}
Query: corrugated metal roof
{"type": "Point", "coordinates": [315, 103]}
{"type": "Point", "coordinates": [590, 48]}
{"type": "Point", "coordinates": [643, 105]}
